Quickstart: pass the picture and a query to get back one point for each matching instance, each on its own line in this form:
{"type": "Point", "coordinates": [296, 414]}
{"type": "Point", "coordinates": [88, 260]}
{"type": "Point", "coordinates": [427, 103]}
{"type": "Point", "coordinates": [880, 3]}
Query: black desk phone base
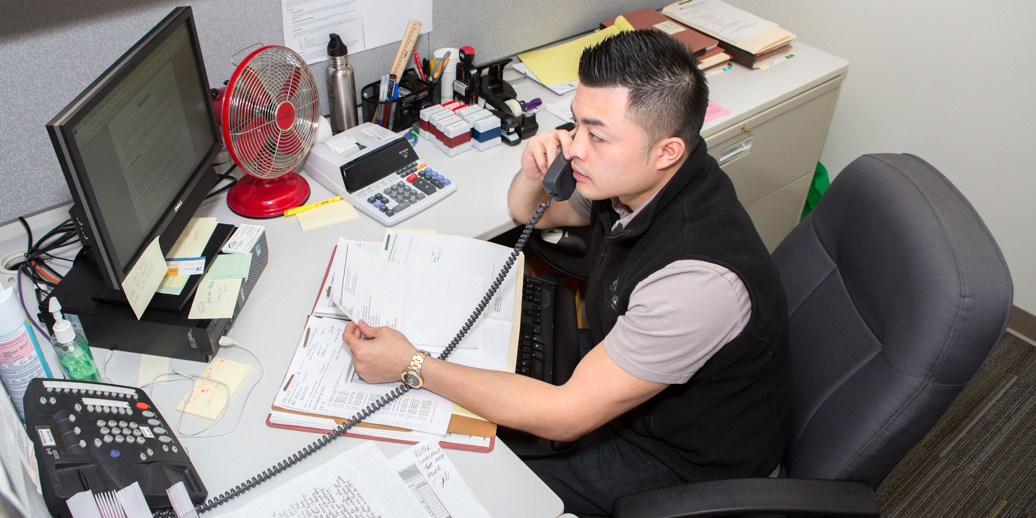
{"type": "Point", "coordinates": [103, 438]}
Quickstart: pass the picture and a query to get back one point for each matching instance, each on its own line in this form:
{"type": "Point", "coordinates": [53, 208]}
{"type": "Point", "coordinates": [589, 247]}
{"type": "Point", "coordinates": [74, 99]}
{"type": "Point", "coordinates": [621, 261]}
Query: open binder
{"type": "Point", "coordinates": [466, 431]}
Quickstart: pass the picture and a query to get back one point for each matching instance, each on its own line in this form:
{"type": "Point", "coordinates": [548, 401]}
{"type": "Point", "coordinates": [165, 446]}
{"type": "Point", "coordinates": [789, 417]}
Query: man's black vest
{"type": "Point", "coordinates": [731, 419]}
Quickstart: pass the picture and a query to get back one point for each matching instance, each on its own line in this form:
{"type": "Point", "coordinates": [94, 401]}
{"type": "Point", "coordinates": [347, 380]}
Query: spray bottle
{"type": "Point", "coordinates": [20, 357]}
{"type": "Point", "coordinates": [70, 345]}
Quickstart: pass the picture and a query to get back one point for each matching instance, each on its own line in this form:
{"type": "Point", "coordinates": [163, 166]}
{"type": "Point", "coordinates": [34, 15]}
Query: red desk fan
{"type": "Point", "coordinates": [270, 112]}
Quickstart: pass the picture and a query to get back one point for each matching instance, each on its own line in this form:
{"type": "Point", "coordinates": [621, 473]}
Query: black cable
{"type": "Point", "coordinates": [224, 176]}
{"type": "Point", "coordinates": [382, 402]}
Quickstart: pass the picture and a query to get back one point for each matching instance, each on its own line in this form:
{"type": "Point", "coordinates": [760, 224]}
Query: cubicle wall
{"type": "Point", "coordinates": [50, 50]}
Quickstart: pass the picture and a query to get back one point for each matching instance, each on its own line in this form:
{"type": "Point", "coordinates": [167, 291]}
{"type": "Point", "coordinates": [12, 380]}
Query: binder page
{"type": "Point", "coordinates": [321, 380]}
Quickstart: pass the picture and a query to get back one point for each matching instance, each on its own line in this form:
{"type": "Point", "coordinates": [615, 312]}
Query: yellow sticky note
{"type": "Point", "coordinates": [208, 398]}
{"type": "Point", "coordinates": [326, 215]}
{"type": "Point", "coordinates": [144, 278]}
{"type": "Point", "coordinates": [150, 367]}
{"type": "Point", "coordinates": [215, 299]}
{"type": "Point", "coordinates": [193, 239]}
{"type": "Point", "coordinates": [173, 285]}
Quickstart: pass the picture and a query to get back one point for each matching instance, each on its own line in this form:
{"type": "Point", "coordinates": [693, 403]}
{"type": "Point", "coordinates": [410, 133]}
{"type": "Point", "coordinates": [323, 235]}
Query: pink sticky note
{"type": "Point", "coordinates": [715, 111]}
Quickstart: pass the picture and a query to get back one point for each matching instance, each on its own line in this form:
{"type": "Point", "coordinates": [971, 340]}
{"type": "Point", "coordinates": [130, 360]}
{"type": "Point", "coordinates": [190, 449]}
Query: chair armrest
{"type": "Point", "coordinates": [834, 498]}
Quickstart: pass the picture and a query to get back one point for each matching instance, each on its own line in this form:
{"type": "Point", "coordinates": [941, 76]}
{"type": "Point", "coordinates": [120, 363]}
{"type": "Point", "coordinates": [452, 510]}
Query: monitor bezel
{"type": "Point", "coordinates": [86, 213]}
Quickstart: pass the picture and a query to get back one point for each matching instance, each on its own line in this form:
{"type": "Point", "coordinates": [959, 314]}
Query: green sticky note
{"type": "Point", "coordinates": [229, 266]}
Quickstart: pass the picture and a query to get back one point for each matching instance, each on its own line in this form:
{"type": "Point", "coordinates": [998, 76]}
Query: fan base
{"type": "Point", "coordinates": [253, 197]}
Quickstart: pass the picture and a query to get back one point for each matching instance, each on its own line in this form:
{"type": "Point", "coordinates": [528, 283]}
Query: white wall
{"type": "Point", "coordinates": [953, 82]}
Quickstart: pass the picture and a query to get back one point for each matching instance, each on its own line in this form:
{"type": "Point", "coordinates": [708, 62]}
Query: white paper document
{"type": "Point", "coordinates": [321, 380]}
{"type": "Point", "coordinates": [362, 482]}
{"type": "Point", "coordinates": [427, 286]}
{"type": "Point", "coordinates": [362, 24]}
{"type": "Point", "coordinates": [729, 22]}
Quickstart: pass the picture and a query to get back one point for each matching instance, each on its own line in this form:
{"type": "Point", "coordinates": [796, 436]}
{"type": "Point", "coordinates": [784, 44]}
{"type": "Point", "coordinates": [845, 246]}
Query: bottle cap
{"type": "Point", "coordinates": [63, 331]}
{"type": "Point", "coordinates": [336, 47]}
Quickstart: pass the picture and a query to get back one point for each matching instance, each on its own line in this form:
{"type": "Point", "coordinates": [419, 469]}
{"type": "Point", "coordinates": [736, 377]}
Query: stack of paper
{"type": "Point", "coordinates": [750, 40]}
{"type": "Point", "coordinates": [705, 48]}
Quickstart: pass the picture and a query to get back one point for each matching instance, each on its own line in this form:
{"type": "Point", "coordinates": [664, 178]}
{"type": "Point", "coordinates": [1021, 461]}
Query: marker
{"type": "Point", "coordinates": [304, 208]}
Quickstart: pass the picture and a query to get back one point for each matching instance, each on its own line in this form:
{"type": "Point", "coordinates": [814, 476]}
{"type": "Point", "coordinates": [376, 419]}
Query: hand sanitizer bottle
{"type": "Point", "coordinates": [76, 359]}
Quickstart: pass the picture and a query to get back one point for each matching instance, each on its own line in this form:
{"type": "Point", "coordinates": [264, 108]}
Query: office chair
{"type": "Point", "coordinates": [896, 293]}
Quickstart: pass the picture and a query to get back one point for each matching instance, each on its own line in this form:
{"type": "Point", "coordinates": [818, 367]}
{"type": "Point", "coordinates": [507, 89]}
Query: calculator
{"type": "Point", "coordinates": [388, 183]}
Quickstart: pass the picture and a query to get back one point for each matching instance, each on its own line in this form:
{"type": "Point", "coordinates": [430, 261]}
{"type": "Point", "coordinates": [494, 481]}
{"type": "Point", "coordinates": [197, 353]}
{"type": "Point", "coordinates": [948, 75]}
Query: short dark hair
{"type": "Point", "coordinates": [668, 93]}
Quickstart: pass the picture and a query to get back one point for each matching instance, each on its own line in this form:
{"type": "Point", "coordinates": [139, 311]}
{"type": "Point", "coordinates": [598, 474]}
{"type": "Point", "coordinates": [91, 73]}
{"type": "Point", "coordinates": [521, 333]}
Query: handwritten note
{"type": "Point", "coordinates": [144, 278]}
{"type": "Point", "coordinates": [445, 482]}
{"type": "Point", "coordinates": [215, 299]}
{"type": "Point", "coordinates": [355, 484]}
{"type": "Point", "coordinates": [208, 398]}
{"type": "Point", "coordinates": [195, 236]}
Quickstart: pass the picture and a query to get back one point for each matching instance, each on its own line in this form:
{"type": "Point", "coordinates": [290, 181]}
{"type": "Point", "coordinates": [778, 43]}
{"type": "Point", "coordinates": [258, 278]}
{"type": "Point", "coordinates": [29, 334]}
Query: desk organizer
{"type": "Point", "coordinates": [402, 112]}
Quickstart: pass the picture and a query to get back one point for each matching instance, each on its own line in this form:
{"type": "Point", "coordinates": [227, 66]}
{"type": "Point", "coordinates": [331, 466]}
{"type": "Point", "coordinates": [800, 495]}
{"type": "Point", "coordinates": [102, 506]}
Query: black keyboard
{"type": "Point", "coordinates": [548, 350]}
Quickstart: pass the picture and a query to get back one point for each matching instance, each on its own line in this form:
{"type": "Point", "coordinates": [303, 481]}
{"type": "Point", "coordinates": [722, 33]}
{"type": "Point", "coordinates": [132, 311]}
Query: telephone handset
{"type": "Point", "coordinates": [559, 182]}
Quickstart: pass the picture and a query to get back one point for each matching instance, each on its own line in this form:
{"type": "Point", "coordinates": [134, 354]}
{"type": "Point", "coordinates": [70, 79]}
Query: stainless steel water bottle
{"type": "Point", "coordinates": [341, 86]}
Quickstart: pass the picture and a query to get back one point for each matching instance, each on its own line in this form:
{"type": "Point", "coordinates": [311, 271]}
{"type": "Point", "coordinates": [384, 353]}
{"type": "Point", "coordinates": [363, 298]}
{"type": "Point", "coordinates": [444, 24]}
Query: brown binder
{"type": "Point", "coordinates": [648, 18]}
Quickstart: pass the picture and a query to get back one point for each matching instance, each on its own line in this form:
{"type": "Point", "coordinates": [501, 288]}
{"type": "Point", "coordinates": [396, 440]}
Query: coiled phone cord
{"type": "Point", "coordinates": [383, 401]}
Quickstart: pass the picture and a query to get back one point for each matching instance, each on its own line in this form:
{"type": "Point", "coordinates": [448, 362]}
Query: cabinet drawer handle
{"type": "Point", "coordinates": [735, 151]}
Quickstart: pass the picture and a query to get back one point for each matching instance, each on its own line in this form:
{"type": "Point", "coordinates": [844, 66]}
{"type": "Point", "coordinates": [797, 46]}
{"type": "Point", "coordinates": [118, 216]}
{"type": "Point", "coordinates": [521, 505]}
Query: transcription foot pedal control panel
{"type": "Point", "coordinates": [103, 438]}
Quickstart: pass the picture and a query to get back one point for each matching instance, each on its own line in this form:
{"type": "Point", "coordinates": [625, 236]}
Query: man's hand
{"type": "Point", "coordinates": [541, 150]}
{"type": "Point", "coordinates": [380, 354]}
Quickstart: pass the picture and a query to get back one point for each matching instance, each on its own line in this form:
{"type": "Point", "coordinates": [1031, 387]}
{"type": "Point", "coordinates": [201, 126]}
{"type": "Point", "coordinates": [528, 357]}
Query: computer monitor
{"type": "Point", "coordinates": [137, 147]}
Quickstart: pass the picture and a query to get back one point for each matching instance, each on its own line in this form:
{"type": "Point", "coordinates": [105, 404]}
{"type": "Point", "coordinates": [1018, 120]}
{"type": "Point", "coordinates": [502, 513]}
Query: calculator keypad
{"type": "Point", "coordinates": [405, 189]}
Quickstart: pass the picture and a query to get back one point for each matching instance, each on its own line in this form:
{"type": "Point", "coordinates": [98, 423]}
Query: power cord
{"type": "Point", "coordinates": [225, 342]}
{"type": "Point", "coordinates": [382, 402]}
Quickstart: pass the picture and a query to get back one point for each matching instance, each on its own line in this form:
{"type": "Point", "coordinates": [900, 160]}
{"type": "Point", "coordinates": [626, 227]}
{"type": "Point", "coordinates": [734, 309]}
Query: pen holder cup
{"type": "Point", "coordinates": [405, 110]}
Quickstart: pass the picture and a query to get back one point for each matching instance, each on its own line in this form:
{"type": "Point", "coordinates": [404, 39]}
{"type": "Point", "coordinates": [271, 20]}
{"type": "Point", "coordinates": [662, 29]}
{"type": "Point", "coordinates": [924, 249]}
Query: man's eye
{"type": "Point", "coordinates": [595, 138]}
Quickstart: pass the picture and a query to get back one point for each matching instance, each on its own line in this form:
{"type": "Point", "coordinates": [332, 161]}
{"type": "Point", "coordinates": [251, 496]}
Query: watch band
{"type": "Point", "coordinates": [418, 361]}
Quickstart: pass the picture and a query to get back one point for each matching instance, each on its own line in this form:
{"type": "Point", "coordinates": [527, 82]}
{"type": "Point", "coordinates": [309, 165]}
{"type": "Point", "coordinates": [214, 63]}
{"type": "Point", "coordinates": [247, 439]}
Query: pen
{"type": "Point", "coordinates": [304, 208]}
{"type": "Point", "coordinates": [417, 65]}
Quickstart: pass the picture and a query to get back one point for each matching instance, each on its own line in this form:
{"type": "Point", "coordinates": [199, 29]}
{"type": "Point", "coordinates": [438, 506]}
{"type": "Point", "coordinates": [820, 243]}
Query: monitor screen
{"type": "Point", "coordinates": [137, 146]}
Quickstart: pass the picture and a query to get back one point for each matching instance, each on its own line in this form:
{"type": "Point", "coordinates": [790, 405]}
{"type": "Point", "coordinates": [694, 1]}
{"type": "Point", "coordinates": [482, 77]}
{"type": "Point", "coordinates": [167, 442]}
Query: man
{"type": "Point", "coordinates": [687, 376]}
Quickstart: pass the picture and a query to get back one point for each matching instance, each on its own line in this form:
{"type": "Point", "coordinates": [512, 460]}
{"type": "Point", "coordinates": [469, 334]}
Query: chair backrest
{"type": "Point", "coordinates": [897, 293]}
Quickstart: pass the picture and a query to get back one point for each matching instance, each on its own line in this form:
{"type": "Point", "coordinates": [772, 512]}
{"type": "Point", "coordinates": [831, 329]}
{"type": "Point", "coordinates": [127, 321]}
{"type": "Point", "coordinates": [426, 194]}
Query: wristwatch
{"type": "Point", "coordinates": [412, 376]}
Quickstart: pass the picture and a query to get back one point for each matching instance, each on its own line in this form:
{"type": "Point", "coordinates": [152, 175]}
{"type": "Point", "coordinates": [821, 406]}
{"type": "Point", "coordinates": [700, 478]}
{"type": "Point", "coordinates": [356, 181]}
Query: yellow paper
{"type": "Point", "coordinates": [144, 278]}
{"type": "Point", "coordinates": [173, 285]}
{"type": "Point", "coordinates": [215, 299]}
{"type": "Point", "coordinates": [560, 63]}
{"type": "Point", "coordinates": [326, 215]}
{"type": "Point", "coordinates": [209, 398]}
{"type": "Point", "coordinates": [192, 241]}
{"type": "Point", "coordinates": [150, 367]}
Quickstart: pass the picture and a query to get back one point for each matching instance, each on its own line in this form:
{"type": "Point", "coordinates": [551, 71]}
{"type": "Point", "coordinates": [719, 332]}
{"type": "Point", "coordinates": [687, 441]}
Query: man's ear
{"type": "Point", "coordinates": [668, 152]}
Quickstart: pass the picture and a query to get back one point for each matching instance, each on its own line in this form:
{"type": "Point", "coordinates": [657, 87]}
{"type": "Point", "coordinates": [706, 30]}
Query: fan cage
{"type": "Point", "coordinates": [271, 112]}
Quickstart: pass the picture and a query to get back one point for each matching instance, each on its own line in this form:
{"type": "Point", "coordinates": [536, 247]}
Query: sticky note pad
{"type": "Point", "coordinates": [326, 215]}
{"type": "Point", "coordinates": [208, 398]}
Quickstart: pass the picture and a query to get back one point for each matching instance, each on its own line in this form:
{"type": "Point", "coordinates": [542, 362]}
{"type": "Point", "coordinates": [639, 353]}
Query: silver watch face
{"type": "Point", "coordinates": [413, 379]}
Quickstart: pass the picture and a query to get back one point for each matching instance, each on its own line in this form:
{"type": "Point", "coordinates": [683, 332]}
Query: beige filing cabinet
{"type": "Point", "coordinates": [770, 149]}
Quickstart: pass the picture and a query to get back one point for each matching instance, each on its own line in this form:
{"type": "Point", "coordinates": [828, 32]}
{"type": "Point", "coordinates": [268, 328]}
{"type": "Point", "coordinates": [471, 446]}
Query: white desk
{"type": "Point", "coordinates": [271, 322]}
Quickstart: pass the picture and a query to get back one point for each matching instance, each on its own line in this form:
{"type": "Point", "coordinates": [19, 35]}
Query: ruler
{"type": "Point", "coordinates": [406, 48]}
